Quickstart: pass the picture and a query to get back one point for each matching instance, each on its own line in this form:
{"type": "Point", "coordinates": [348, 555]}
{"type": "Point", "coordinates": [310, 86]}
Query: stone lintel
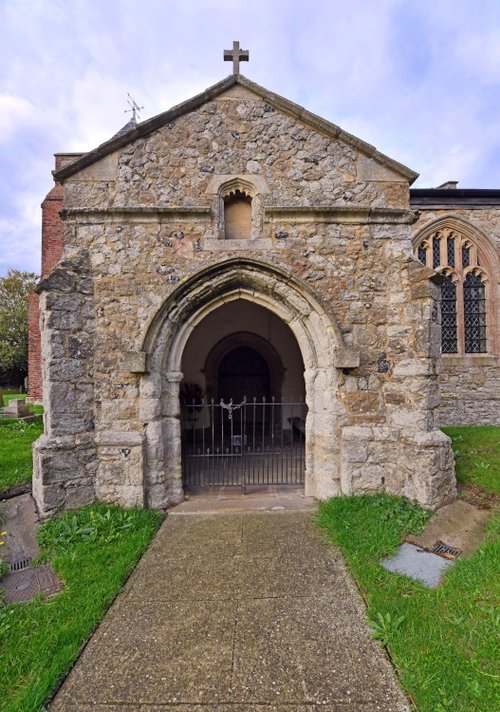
{"type": "Point", "coordinates": [256, 243]}
{"type": "Point", "coordinates": [342, 214]}
{"type": "Point", "coordinates": [135, 361]}
{"type": "Point", "coordinates": [128, 438]}
{"type": "Point", "coordinates": [136, 214]}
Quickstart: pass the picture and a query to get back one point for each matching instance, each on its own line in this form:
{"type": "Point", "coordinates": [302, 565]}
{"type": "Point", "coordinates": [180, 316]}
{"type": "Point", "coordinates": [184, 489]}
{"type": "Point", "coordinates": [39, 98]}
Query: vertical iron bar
{"type": "Point", "coordinates": [272, 440]}
{"type": "Point", "coordinates": [253, 424]}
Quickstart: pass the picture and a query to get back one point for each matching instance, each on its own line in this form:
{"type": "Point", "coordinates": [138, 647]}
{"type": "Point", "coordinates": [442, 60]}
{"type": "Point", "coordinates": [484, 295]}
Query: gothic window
{"type": "Point", "coordinates": [436, 251]}
{"type": "Point", "coordinates": [465, 255]}
{"type": "Point", "coordinates": [448, 316]}
{"type": "Point", "coordinates": [474, 314]}
{"type": "Point", "coordinates": [450, 250]}
{"type": "Point", "coordinates": [463, 292]}
{"type": "Point", "coordinates": [237, 215]}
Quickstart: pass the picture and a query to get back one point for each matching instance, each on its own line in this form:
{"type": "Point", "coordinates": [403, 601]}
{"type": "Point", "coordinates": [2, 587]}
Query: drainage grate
{"type": "Point", "coordinates": [21, 564]}
{"type": "Point", "coordinates": [447, 552]}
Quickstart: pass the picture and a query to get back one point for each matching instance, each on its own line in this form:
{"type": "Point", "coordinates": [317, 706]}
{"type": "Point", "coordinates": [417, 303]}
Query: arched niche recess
{"type": "Point", "coordinates": [239, 210]}
{"type": "Point", "coordinates": [237, 340]}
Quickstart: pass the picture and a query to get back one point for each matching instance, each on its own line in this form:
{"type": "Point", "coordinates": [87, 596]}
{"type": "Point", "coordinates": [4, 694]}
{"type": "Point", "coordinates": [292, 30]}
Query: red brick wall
{"type": "Point", "coordinates": [52, 230]}
{"type": "Point", "coordinates": [34, 350]}
{"type": "Point", "coordinates": [52, 246]}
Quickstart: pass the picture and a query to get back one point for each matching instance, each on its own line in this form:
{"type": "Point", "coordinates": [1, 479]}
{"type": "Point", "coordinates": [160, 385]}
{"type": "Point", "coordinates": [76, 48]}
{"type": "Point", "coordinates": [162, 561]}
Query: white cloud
{"type": "Point", "coordinates": [16, 113]}
{"type": "Point", "coordinates": [418, 80]}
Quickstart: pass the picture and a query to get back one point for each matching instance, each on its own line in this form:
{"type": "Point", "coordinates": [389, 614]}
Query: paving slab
{"type": "Point", "coordinates": [459, 525]}
{"type": "Point", "coordinates": [213, 618]}
{"type": "Point", "coordinates": [253, 502]}
{"type": "Point", "coordinates": [20, 520]}
{"type": "Point", "coordinates": [418, 564]}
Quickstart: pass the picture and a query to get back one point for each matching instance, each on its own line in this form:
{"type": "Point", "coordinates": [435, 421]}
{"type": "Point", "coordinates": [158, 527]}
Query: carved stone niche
{"type": "Point", "coordinates": [238, 208]}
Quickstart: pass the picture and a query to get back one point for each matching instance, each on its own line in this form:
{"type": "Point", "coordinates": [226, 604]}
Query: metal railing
{"type": "Point", "coordinates": [247, 443]}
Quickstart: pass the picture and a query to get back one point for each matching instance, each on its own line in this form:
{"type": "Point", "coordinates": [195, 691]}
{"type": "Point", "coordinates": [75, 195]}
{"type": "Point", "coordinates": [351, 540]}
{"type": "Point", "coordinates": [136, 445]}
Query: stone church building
{"type": "Point", "coordinates": [239, 292]}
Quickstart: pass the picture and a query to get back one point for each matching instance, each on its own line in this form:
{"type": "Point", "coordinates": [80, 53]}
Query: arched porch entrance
{"type": "Point", "coordinates": [174, 330]}
{"type": "Point", "coordinates": [243, 406]}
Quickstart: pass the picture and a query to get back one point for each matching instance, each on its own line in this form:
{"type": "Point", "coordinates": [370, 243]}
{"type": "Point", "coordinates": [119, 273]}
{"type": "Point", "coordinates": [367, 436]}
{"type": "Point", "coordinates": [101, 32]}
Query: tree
{"type": "Point", "coordinates": [14, 290]}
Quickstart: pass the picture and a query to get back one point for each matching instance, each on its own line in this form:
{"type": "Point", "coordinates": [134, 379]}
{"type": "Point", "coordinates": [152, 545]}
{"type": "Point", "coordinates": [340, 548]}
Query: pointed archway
{"type": "Point", "coordinates": [318, 338]}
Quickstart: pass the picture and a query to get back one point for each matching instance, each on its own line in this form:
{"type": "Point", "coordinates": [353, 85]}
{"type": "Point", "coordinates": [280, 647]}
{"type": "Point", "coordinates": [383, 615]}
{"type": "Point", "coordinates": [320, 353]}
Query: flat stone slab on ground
{"type": "Point", "coordinates": [207, 500]}
{"type": "Point", "coordinates": [459, 525]}
{"type": "Point", "coordinates": [241, 612]}
{"type": "Point", "coordinates": [418, 564]}
{"type": "Point", "coordinates": [20, 521]}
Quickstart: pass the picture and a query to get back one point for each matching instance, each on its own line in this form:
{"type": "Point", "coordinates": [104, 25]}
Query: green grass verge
{"type": "Point", "coordinates": [16, 438]}
{"type": "Point", "coordinates": [6, 396]}
{"type": "Point", "coordinates": [93, 552]}
{"type": "Point", "coordinates": [477, 455]}
{"type": "Point", "coordinates": [16, 461]}
{"type": "Point", "coordinates": [444, 642]}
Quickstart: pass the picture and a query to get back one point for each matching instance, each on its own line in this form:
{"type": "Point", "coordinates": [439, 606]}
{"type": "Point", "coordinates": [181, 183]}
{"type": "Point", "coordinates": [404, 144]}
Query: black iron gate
{"type": "Point", "coordinates": [247, 443]}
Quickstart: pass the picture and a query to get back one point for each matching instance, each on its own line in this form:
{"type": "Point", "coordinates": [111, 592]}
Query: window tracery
{"type": "Point", "coordinates": [463, 291]}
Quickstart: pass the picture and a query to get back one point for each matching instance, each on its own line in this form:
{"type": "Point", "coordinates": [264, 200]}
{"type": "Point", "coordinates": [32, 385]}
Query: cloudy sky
{"type": "Point", "coordinates": [420, 79]}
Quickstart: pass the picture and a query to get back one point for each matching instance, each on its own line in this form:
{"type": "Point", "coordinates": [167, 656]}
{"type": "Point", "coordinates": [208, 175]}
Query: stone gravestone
{"type": "Point", "coordinates": [16, 409]}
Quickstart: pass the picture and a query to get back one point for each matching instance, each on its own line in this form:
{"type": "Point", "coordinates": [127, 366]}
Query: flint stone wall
{"type": "Point", "coordinates": [334, 225]}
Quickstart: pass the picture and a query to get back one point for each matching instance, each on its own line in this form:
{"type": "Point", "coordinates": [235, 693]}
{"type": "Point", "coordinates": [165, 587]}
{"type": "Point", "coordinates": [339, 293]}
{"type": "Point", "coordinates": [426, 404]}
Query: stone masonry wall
{"type": "Point", "coordinates": [470, 383]}
{"type": "Point", "coordinates": [64, 456]}
{"type": "Point", "coordinates": [147, 218]}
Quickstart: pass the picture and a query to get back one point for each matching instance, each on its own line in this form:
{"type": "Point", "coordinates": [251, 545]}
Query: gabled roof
{"type": "Point", "coordinates": [274, 100]}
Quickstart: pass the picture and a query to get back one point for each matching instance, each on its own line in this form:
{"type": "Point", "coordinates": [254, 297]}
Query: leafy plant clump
{"type": "Point", "coordinates": [93, 552]}
{"type": "Point", "coordinates": [90, 524]}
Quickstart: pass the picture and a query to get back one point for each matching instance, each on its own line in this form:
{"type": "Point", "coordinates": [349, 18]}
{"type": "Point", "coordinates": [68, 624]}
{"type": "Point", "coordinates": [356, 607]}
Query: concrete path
{"type": "Point", "coordinates": [235, 612]}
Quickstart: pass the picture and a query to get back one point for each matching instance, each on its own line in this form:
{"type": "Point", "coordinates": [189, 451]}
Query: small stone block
{"type": "Point", "coordinates": [135, 361]}
{"type": "Point", "coordinates": [16, 408]}
{"type": "Point", "coordinates": [418, 564]}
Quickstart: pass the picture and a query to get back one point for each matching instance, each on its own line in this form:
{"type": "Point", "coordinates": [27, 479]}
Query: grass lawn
{"type": "Point", "coordinates": [16, 462]}
{"type": "Point", "coordinates": [93, 552]}
{"type": "Point", "coordinates": [477, 455]}
{"type": "Point", "coordinates": [16, 437]}
{"type": "Point", "coordinates": [443, 642]}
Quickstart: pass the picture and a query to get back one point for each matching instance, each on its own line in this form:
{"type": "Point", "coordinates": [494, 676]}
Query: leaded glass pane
{"type": "Point", "coordinates": [436, 254]}
{"type": "Point", "coordinates": [465, 256]}
{"type": "Point", "coordinates": [474, 315]}
{"type": "Point", "coordinates": [422, 254]}
{"type": "Point", "coordinates": [450, 251]}
{"type": "Point", "coordinates": [448, 317]}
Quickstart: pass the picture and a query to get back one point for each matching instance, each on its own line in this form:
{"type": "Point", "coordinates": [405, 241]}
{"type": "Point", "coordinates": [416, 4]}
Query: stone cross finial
{"type": "Point", "coordinates": [236, 55]}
